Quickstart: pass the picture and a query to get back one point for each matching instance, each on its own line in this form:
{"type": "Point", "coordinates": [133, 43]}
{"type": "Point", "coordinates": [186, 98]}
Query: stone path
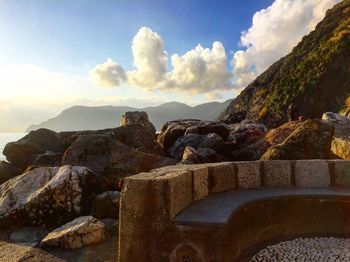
{"type": "Point", "coordinates": [306, 249]}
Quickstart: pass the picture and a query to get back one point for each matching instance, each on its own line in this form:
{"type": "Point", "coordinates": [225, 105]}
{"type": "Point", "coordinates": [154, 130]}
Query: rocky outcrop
{"type": "Point", "coordinates": [81, 231]}
{"type": "Point", "coordinates": [341, 139]}
{"type": "Point", "coordinates": [173, 130]}
{"type": "Point", "coordinates": [139, 138]}
{"type": "Point", "coordinates": [176, 135]}
{"type": "Point", "coordinates": [8, 171]}
{"type": "Point", "coordinates": [106, 205]}
{"type": "Point", "coordinates": [24, 151]}
{"type": "Point", "coordinates": [315, 77]}
{"type": "Point", "coordinates": [136, 131]}
{"type": "Point", "coordinates": [312, 140]}
{"type": "Point", "coordinates": [246, 141]}
{"type": "Point", "coordinates": [137, 118]}
{"type": "Point", "coordinates": [203, 128]}
{"type": "Point", "coordinates": [48, 159]}
{"type": "Point", "coordinates": [202, 155]}
{"type": "Point", "coordinates": [212, 141]}
{"type": "Point", "coordinates": [278, 135]}
{"type": "Point", "coordinates": [113, 160]}
{"type": "Point", "coordinates": [48, 196]}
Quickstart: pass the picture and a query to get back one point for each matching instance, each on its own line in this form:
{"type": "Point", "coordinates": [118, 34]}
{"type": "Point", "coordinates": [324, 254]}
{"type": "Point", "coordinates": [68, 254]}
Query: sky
{"type": "Point", "coordinates": [56, 54]}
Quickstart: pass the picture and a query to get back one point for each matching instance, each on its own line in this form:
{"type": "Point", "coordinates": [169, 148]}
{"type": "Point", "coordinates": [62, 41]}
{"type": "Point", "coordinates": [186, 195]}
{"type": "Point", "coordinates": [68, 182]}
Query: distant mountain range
{"type": "Point", "coordinates": [92, 118]}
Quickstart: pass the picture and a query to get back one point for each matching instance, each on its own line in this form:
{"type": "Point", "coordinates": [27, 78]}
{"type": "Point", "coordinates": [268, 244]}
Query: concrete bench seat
{"type": "Point", "coordinates": [218, 209]}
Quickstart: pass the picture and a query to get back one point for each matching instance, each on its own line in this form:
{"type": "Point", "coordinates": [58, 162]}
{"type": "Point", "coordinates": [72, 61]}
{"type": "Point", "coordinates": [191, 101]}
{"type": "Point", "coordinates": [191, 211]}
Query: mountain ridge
{"type": "Point", "coordinates": [315, 77]}
{"type": "Point", "coordinates": [79, 117]}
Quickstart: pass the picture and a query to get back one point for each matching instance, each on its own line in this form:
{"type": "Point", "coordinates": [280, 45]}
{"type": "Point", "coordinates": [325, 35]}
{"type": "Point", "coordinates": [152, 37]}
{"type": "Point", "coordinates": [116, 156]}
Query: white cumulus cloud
{"type": "Point", "coordinates": [273, 34]}
{"type": "Point", "coordinates": [200, 70]}
{"type": "Point", "coordinates": [150, 59]}
{"type": "Point", "coordinates": [108, 74]}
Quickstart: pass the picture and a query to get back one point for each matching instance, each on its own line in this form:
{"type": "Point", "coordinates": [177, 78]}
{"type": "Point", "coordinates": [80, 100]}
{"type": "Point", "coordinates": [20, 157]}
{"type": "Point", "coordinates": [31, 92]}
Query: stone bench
{"type": "Point", "coordinates": [201, 212]}
{"type": "Point", "coordinates": [242, 221]}
{"type": "Point", "coordinates": [220, 208]}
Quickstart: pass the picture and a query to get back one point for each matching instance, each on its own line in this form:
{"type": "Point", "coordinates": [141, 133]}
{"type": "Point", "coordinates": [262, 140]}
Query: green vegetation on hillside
{"type": "Point", "coordinates": [315, 76]}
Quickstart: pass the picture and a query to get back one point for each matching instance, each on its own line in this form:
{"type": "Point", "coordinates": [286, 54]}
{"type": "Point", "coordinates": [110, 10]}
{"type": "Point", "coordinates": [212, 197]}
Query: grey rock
{"type": "Point", "coordinates": [29, 235]}
{"type": "Point", "coordinates": [212, 141]}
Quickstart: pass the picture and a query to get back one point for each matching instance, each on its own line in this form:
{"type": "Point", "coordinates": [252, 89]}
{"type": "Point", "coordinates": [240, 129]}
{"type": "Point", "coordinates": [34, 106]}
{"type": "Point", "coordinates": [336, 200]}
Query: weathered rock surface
{"type": "Point", "coordinates": [81, 231]}
{"type": "Point", "coordinates": [173, 130]}
{"type": "Point", "coordinates": [48, 196]}
{"type": "Point", "coordinates": [71, 137]}
{"type": "Point", "coordinates": [311, 140]}
{"type": "Point", "coordinates": [48, 159]}
{"type": "Point", "coordinates": [138, 137]}
{"type": "Point", "coordinates": [212, 141]}
{"type": "Point", "coordinates": [341, 139]}
{"type": "Point", "coordinates": [246, 141]}
{"type": "Point", "coordinates": [113, 160]}
{"type": "Point", "coordinates": [190, 156]}
{"type": "Point", "coordinates": [137, 118]}
{"type": "Point", "coordinates": [203, 128]}
{"type": "Point", "coordinates": [278, 135]}
{"type": "Point", "coordinates": [106, 205]}
{"type": "Point", "coordinates": [202, 155]}
{"type": "Point", "coordinates": [8, 171]}
{"type": "Point", "coordinates": [24, 151]}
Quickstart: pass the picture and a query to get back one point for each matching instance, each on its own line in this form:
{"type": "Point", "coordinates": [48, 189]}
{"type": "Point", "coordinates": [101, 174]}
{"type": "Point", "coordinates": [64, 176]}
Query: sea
{"type": "Point", "coordinates": [6, 138]}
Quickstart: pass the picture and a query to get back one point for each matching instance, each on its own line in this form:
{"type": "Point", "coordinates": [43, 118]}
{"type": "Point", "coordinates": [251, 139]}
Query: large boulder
{"type": "Point", "coordinates": [110, 158]}
{"type": "Point", "coordinates": [246, 141]}
{"type": "Point", "coordinates": [278, 135]}
{"type": "Point", "coordinates": [70, 137]}
{"type": "Point", "coordinates": [8, 171]}
{"type": "Point", "coordinates": [212, 141]}
{"type": "Point", "coordinates": [106, 205]}
{"type": "Point", "coordinates": [80, 232]}
{"type": "Point", "coordinates": [203, 128]}
{"type": "Point", "coordinates": [247, 131]}
{"type": "Point", "coordinates": [173, 130]}
{"type": "Point", "coordinates": [137, 118]}
{"type": "Point", "coordinates": [202, 155]}
{"type": "Point", "coordinates": [48, 196]}
{"type": "Point", "coordinates": [311, 140]}
{"type": "Point", "coordinates": [24, 151]}
{"type": "Point", "coordinates": [139, 138]}
{"type": "Point", "coordinates": [341, 140]}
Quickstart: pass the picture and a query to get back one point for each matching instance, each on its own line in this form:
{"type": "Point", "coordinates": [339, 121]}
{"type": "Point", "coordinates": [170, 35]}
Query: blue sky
{"type": "Point", "coordinates": [73, 35]}
{"type": "Point", "coordinates": [58, 53]}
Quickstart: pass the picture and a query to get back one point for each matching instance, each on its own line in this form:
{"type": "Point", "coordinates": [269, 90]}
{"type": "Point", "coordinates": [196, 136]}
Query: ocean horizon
{"type": "Point", "coordinates": [6, 138]}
